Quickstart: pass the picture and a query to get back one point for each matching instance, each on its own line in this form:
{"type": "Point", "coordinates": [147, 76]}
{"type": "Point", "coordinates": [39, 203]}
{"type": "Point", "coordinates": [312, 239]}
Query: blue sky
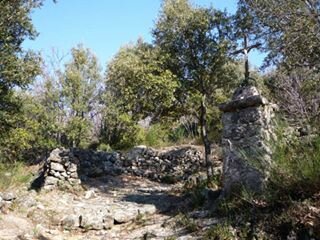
{"type": "Point", "coordinates": [102, 25]}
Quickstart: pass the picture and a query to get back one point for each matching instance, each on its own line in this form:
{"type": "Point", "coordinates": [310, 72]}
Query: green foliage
{"type": "Point", "coordinates": [187, 222]}
{"type": "Point", "coordinates": [138, 83]}
{"type": "Point", "coordinates": [289, 30]}
{"type": "Point", "coordinates": [13, 175]}
{"type": "Point", "coordinates": [80, 90]}
{"type": "Point", "coordinates": [219, 232]}
{"type": "Point", "coordinates": [121, 132]}
{"type": "Point", "coordinates": [196, 41]}
{"type": "Point", "coordinates": [104, 147]}
{"type": "Point", "coordinates": [34, 134]}
{"type": "Point", "coordinates": [14, 144]}
{"type": "Point", "coordinates": [297, 169]}
{"type": "Point", "coordinates": [156, 136]}
{"type": "Point", "coordinates": [18, 68]}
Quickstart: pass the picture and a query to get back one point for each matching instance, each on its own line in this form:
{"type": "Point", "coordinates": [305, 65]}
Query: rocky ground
{"type": "Point", "coordinates": [114, 207]}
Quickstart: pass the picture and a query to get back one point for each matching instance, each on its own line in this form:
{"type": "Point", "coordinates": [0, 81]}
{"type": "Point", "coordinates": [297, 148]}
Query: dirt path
{"type": "Point", "coordinates": [122, 207]}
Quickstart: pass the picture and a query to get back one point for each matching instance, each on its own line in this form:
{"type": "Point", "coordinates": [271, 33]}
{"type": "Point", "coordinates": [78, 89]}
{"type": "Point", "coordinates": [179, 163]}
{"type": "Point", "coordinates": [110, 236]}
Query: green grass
{"type": "Point", "coordinates": [219, 232]}
{"type": "Point", "coordinates": [186, 222]}
{"type": "Point", "coordinates": [13, 175]}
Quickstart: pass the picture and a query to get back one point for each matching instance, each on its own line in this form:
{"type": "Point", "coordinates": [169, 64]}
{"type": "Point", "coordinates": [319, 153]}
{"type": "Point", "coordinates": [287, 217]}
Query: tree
{"type": "Point", "coordinates": [297, 94]}
{"type": "Point", "coordinates": [17, 67]}
{"type": "Point", "coordinates": [137, 86]}
{"type": "Point", "coordinates": [289, 31]}
{"type": "Point", "coordinates": [81, 88]}
{"type": "Point", "coordinates": [196, 42]}
{"type": "Point", "coordinates": [139, 83]}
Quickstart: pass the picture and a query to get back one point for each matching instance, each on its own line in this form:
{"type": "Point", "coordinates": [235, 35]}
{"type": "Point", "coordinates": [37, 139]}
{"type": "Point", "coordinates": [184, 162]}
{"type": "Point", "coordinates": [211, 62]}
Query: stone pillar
{"type": "Point", "coordinates": [61, 169]}
{"type": "Point", "coordinates": [247, 135]}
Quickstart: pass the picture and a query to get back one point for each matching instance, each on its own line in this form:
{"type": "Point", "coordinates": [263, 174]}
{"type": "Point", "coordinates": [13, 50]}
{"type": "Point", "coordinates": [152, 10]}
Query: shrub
{"type": "Point", "coordinates": [297, 168]}
{"type": "Point", "coordinates": [156, 136]}
{"type": "Point", "coordinates": [187, 222]}
{"type": "Point", "coordinates": [221, 231]}
{"type": "Point", "coordinates": [13, 175]}
{"type": "Point", "coordinates": [104, 147]}
{"type": "Point", "coordinates": [14, 144]}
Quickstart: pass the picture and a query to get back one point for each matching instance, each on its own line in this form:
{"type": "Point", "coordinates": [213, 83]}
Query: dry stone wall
{"type": "Point", "coordinates": [247, 135]}
{"type": "Point", "coordinates": [61, 168]}
{"type": "Point", "coordinates": [66, 166]}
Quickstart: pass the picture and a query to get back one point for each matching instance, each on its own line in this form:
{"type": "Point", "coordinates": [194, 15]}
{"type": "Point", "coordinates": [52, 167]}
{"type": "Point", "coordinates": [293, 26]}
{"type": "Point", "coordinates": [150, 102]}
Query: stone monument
{"type": "Point", "coordinates": [246, 140]}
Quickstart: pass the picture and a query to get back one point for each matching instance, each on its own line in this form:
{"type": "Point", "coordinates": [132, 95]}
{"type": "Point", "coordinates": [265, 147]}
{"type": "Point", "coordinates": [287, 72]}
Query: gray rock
{"type": "Point", "coordinates": [50, 180]}
{"type": "Point", "coordinates": [89, 194]}
{"type": "Point", "coordinates": [124, 214]}
{"type": "Point", "coordinates": [72, 167]}
{"type": "Point", "coordinates": [8, 196]}
{"type": "Point", "coordinates": [57, 167]}
{"type": "Point", "coordinates": [70, 222]}
{"type": "Point", "coordinates": [95, 219]}
{"type": "Point", "coordinates": [69, 166]}
{"type": "Point", "coordinates": [27, 201]}
{"type": "Point", "coordinates": [55, 155]}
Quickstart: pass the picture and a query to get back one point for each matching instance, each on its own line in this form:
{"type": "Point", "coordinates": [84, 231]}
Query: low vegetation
{"type": "Point", "coordinates": [290, 201]}
{"type": "Point", "coordinates": [14, 175]}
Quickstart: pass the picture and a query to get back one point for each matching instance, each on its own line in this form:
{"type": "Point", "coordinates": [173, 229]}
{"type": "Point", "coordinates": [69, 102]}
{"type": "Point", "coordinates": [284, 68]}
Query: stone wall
{"type": "Point", "coordinates": [247, 135]}
{"type": "Point", "coordinates": [169, 165]}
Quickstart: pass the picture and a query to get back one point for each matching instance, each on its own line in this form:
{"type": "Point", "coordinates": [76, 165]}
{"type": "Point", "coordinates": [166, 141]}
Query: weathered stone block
{"type": "Point", "coordinates": [247, 132]}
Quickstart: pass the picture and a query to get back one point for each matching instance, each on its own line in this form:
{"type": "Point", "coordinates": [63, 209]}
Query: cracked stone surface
{"type": "Point", "coordinates": [122, 207]}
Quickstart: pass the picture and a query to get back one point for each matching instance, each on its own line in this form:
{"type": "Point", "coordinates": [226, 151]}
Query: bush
{"type": "Point", "coordinates": [156, 136]}
{"type": "Point", "coordinates": [13, 175]}
{"type": "Point", "coordinates": [14, 145]}
{"type": "Point", "coordinates": [104, 147]}
{"type": "Point", "coordinates": [125, 134]}
{"type": "Point", "coordinates": [297, 168]}
{"type": "Point", "coordinates": [178, 134]}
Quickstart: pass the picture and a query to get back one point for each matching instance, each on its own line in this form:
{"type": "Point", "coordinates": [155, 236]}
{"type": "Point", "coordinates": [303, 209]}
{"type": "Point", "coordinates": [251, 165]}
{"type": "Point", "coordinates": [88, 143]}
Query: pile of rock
{"type": "Point", "coordinates": [168, 165]}
{"type": "Point", "coordinates": [61, 168]}
{"type": "Point", "coordinates": [6, 199]}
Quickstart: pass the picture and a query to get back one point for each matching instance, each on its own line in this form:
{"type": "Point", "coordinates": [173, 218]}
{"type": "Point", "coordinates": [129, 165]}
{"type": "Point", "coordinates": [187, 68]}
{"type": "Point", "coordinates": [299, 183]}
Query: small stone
{"type": "Point", "coordinates": [64, 174]}
{"type": "Point", "coordinates": [74, 175]}
{"type": "Point", "coordinates": [57, 167]}
{"type": "Point", "coordinates": [70, 222]}
{"type": "Point", "coordinates": [73, 167]}
{"type": "Point", "coordinates": [90, 194]}
{"type": "Point", "coordinates": [50, 180]}
{"type": "Point", "coordinates": [96, 220]}
{"type": "Point", "coordinates": [56, 174]}
{"type": "Point", "coordinates": [8, 196]}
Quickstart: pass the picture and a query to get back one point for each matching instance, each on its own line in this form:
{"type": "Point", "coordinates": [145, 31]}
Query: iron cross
{"type": "Point", "coordinates": [245, 51]}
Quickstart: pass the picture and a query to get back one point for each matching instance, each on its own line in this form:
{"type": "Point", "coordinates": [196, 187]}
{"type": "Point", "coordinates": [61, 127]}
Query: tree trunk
{"type": "Point", "coordinates": [204, 136]}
